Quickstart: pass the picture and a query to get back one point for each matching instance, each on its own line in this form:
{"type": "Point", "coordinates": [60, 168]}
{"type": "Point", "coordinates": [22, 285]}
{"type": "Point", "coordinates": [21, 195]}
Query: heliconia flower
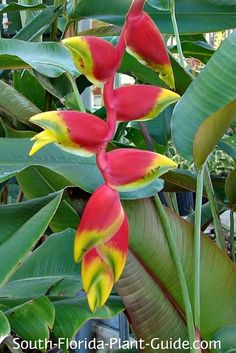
{"type": "Point", "coordinates": [130, 169]}
{"type": "Point", "coordinates": [102, 266]}
{"type": "Point", "coordinates": [101, 219]}
{"type": "Point", "coordinates": [73, 131]}
{"type": "Point", "coordinates": [114, 251]}
{"type": "Point", "coordinates": [142, 102]}
{"type": "Point", "coordinates": [97, 279]}
{"type": "Point", "coordinates": [145, 43]}
{"type": "Point", "coordinates": [94, 57]}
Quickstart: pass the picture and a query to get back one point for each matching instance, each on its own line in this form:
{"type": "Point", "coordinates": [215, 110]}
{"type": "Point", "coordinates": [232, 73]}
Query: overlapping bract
{"type": "Point", "coordinates": [142, 102]}
{"type": "Point", "coordinates": [88, 54]}
{"type": "Point", "coordinates": [101, 240]}
{"type": "Point", "coordinates": [129, 169]}
{"type": "Point", "coordinates": [69, 130]}
{"type": "Point", "coordinates": [102, 266]}
{"type": "Point", "coordinates": [144, 41]}
{"type": "Point", "coordinates": [101, 219]}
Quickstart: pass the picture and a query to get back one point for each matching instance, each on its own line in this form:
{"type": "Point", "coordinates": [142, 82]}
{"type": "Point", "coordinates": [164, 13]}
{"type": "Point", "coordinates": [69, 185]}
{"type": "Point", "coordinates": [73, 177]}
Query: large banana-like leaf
{"type": "Point", "coordinates": [48, 58]}
{"type": "Point", "coordinates": [55, 274]}
{"type": "Point", "coordinates": [22, 225]}
{"type": "Point", "coordinates": [5, 328]}
{"type": "Point", "coordinates": [75, 312]}
{"type": "Point", "coordinates": [21, 110]}
{"type": "Point", "coordinates": [149, 285]}
{"type": "Point", "coordinates": [47, 271]}
{"type": "Point", "coordinates": [14, 6]}
{"type": "Point", "coordinates": [33, 320]}
{"type": "Point", "coordinates": [199, 16]}
{"type": "Point", "coordinates": [209, 105]}
{"type": "Point", "coordinates": [39, 24]}
{"type": "Point", "coordinates": [46, 182]}
{"type": "Point", "coordinates": [79, 171]}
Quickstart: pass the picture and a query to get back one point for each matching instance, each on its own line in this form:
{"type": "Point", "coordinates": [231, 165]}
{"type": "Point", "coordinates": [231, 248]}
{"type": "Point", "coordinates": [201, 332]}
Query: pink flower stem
{"type": "Point", "coordinates": [136, 8]}
{"type": "Point", "coordinates": [109, 93]}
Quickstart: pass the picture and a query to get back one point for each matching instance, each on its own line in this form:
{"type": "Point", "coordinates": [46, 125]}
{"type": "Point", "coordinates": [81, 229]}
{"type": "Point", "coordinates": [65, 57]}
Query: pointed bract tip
{"type": "Point", "coordinates": [101, 219]}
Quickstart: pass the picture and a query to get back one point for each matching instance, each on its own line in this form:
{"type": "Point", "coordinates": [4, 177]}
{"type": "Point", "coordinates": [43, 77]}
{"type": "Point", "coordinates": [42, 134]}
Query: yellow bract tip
{"type": "Point", "coordinates": [42, 139]}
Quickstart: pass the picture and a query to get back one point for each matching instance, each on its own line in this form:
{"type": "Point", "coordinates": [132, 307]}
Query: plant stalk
{"type": "Point", "coordinates": [79, 103]}
{"type": "Point", "coordinates": [176, 32]}
{"type": "Point", "coordinates": [146, 136]}
{"type": "Point", "coordinates": [197, 248]}
{"type": "Point", "coordinates": [179, 268]}
{"type": "Point", "coordinates": [232, 242]}
{"type": "Point", "coordinates": [212, 201]}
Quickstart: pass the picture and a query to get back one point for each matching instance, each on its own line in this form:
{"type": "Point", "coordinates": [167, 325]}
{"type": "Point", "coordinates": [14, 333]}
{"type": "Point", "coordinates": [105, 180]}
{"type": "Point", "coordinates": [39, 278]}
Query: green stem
{"type": "Point", "coordinates": [232, 242]}
{"type": "Point", "coordinates": [176, 32]}
{"type": "Point", "coordinates": [179, 268]}
{"type": "Point", "coordinates": [214, 210]}
{"type": "Point", "coordinates": [53, 34]}
{"type": "Point", "coordinates": [80, 105]}
{"type": "Point", "coordinates": [168, 200]}
{"type": "Point", "coordinates": [174, 202]}
{"type": "Point", "coordinates": [146, 136]}
{"type": "Point", "coordinates": [197, 247]}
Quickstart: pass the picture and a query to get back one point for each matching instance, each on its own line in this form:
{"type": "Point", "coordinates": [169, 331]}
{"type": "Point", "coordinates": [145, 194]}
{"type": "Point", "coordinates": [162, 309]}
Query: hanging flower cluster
{"type": "Point", "coordinates": [101, 241]}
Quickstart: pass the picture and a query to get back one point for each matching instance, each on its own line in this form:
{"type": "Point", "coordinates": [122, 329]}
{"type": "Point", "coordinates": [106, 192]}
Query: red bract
{"type": "Point", "coordinates": [114, 251]}
{"type": "Point", "coordinates": [75, 132]}
{"type": "Point", "coordinates": [101, 219]}
{"type": "Point", "coordinates": [145, 43]}
{"type": "Point", "coordinates": [97, 279]}
{"type": "Point", "coordinates": [142, 102]}
{"type": "Point", "coordinates": [94, 57]}
{"type": "Point", "coordinates": [129, 169]}
{"type": "Point", "coordinates": [103, 265]}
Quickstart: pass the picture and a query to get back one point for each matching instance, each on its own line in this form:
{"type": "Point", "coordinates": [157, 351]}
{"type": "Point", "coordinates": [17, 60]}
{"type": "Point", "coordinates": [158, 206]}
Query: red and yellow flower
{"type": "Point", "coordinates": [94, 57]}
{"type": "Point", "coordinates": [101, 219]}
{"type": "Point", "coordinates": [101, 240]}
{"type": "Point", "coordinates": [144, 41]}
{"type": "Point", "coordinates": [102, 266]}
{"type": "Point", "coordinates": [75, 132]}
{"type": "Point", "coordinates": [142, 102]}
{"type": "Point", "coordinates": [129, 169]}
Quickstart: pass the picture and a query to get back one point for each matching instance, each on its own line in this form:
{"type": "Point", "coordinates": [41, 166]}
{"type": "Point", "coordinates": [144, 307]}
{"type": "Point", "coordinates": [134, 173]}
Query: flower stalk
{"type": "Point", "coordinates": [101, 240]}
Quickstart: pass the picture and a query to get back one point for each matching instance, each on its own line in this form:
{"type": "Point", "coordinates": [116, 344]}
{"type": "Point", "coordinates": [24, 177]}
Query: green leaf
{"type": "Point", "coordinates": [75, 312]}
{"type": "Point", "coordinates": [21, 110]}
{"type": "Point", "coordinates": [198, 16]}
{"type": "Point", "coordinates": [102, 31]}
{"type": "Point", "coordinates": [228, 145]}
{"type": "Point", "coordinates": [29, 86]}
{"type": "Point", "coordinates": [13, 133]}
{"type": "Point", "coordinates": [199, 50]}
{"type": "Point", "coordinates": [154, 303]}
{"type": "Point", "coordinates": [79, 171]}
{"type": "Point", "coordinates": [207, 108]}
{"type": "Point", "coordinates": [159, 4]}
{"type": "Point", "coordinates": [23, 224]}
{"type": "Point", "coordinates": [39, 24]}
{"type": "Point", "coordinates": [45, 269]}
{"type": "Point", "coordinates": [13, 6]}
{"type": "Point", "coordinates": [46, 182]}
{"type": "Point", "coordinates": [48, 58]}
{"type": "Point", "coordinates": [5, 328]}
{"type": "Point", "coordinates": [227, 338]}
{"type": "Point", "coordinates": [33, 320]}
{"type": "Point", "coordinates": [206, 214]}
{"type": "Point", "coordinates": [60, 86]}
{"type": "Point", "coordinates": [230, 189]}
{"type": "Point", "coordinates": [223, 2]}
